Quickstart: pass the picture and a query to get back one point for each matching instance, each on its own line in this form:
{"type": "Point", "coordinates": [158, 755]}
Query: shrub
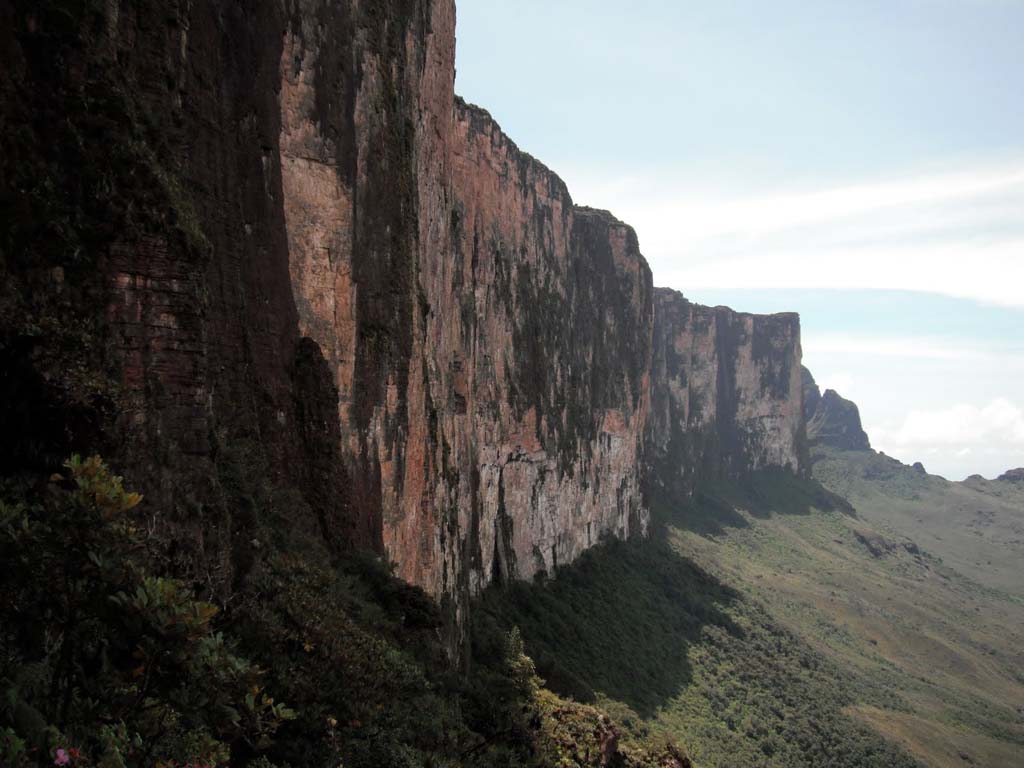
{"type": "Point", "coordinates": [102, 660]}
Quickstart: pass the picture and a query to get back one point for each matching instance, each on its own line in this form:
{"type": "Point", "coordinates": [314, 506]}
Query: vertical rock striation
{"type": "Point", "coordinates": [366, 102]}
{"type": "Point", "coordinates": [539, 333]}
{"type": "Point", "coordinates": [490, 342]}
{"type": "Point", "coordinates": [311, 268]}
{"type": "Point", "coordinates": [147, 178]}
{"type": "Point", "coordinates": [727, 393]}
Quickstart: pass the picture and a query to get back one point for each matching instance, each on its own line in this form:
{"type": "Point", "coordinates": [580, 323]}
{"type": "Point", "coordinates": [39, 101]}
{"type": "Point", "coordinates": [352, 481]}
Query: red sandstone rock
{"type": "Point", "coordinates": [350, 283]}
{"type": "Point", "coordinates": [727, 393]}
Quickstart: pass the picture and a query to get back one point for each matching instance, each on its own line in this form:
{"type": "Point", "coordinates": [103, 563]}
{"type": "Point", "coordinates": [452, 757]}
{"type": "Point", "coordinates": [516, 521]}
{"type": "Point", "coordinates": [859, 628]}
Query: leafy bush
{"type": "Point", "coordinates": [102, 660]}
{"type": "Point", "coordinates": [105, 663]}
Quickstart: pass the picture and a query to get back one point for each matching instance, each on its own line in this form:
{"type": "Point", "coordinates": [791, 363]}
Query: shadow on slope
{"type": "Point", "coordinates": [646, 627]}
{"type": "Point", "coordinates": [618, 621]}
{"type": "Point", "coordinates": [717, 506]}
{"type": "Point", "coordinates": [674, 651]}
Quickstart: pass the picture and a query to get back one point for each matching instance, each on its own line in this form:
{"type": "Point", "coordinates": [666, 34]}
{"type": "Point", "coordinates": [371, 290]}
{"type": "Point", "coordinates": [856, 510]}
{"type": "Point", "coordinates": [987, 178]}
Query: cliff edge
{"type": "Point", "coordinates": [268, 263]}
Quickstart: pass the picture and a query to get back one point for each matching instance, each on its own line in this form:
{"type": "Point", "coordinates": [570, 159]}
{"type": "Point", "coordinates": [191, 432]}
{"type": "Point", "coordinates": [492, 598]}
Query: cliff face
{"type": "Point", "coordinates": [831, 419]}
{"type": "Point", "coordinates": [727, 393]}
{"type": "Point", "coordinates": [284, 277]}
{"type": "Point", "coordinates": [491, 360]}
{"type": "Point", "coordinates": [219, 214]}
{"type": "Point", "coordinates": [812, 394]}
{"type": "Point", "coordinates": [366, 99]}
{"type": "Point", "coordinates": [146, 291]}
{"type": "Point", "coordinates": [538, 333]}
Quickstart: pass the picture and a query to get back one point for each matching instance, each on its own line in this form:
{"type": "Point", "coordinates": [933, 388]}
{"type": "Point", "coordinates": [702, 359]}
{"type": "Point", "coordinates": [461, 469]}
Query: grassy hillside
{"type": "Point", "coordinates": [778, 625]}
{"type": "Point", "coordinates": [867, 590]}
{"type": "Point", "coordinates": [772, 624]}
{"type": "Point", "coordinates": [976, 527]}
{"type": "Point", "coordinates": [657, 634]}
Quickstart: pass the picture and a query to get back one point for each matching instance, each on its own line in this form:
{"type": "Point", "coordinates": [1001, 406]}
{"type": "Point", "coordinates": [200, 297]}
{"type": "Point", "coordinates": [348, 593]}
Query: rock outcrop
{"type": "Point", "coordinates": [879, 546]}
{"type": "Point", "coordinates": [539, 334]}
{"type": "Point", "coordinates": [811, 392]}
{"type": "Point", "coordinates": [1013, 476]}
{"type": "Point", "coordinates": [283, 274]}
{"type": "Point", "coordinates": [832, 420]}
{"type": "Point", "coordinates": [726, 393]}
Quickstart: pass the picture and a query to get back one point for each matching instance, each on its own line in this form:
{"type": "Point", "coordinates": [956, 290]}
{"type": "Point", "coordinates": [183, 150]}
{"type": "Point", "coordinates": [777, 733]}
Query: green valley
{"type": "Point", "coordinates": [772, 623]}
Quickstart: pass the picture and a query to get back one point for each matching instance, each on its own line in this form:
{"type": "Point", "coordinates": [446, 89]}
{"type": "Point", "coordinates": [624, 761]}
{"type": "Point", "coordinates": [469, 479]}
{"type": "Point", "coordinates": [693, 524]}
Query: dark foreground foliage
{"type": "Point", "coordinates": [314, 662]}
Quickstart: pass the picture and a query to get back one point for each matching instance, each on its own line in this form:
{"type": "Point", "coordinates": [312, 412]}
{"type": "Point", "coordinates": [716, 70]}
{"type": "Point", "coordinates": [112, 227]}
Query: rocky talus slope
{"type": "Point", "coordinates": [267, 244]}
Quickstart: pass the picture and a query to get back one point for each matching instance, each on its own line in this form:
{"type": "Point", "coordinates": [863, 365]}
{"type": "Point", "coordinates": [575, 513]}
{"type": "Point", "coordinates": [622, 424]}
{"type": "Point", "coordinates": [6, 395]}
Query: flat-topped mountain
{"type": "Point", "coordinates": [326, 407]}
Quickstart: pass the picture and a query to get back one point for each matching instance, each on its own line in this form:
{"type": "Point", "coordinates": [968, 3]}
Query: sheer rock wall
{"type": "Point", "coordinates": [288, 278]}
{"type": "Point", "coordinates": [727, 393]}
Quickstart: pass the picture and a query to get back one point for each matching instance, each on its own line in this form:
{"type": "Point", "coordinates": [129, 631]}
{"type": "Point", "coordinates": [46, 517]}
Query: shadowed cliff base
{"type": "Point", "coordinates": [618, 622]}
{"type": "Point", "coordinates": [658, 641]}
{"type": "Point", "coordinates": [718, 505]}
{"type": "Point", "coordinates": [916, 599]}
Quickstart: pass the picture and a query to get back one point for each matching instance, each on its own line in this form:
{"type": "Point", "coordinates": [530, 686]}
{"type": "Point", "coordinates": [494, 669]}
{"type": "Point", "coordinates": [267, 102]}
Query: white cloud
{"type": "Point", "coordinates": [840, 381]}
{"type": "Point", "coordinates": [991, 272]}
{"type": "Point", "coordinates": [991, 435]}
{"type": "Point", "coordinates": [959, 425]}
{"type": "Point", "coordinates": [914, 347]}
{"type": "Point", "coordinates": [955, 233]}
{"type": "Point", "coordinates": [940, 400]}
{"type": "Point", "coordinates": [784, 211]}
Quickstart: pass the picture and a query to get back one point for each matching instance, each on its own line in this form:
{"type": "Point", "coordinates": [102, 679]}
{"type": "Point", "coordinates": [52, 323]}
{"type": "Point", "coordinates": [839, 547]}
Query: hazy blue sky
{"type": "Point", "coordinates": [860, 162]}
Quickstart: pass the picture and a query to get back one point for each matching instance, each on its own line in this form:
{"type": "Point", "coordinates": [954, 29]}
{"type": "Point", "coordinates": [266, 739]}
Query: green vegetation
{"type": "Point", "coordinates": [914, 592]}
{"type": "Point", "coordinates": [106, 662]}
{"type": "Point", "coordinates": [102, 659]}
{"type": "Point", "coordinates": [769, 624]}
{"type": "Point", "coordinates": [650, 636]}
{"type": "Point", "coordinates": [775, 623]}
{"type": "Point", "coordinates": [764, 624]}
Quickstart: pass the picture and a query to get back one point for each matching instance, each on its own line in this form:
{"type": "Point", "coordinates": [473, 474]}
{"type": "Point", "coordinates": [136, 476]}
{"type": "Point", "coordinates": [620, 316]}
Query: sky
{"type": "Point", "coordinates": [860, 162]}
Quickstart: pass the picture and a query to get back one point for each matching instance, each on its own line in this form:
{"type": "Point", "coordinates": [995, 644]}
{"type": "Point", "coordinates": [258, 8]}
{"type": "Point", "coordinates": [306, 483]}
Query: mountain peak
{"type": "Point", "coordinates": [832, 420]}
{"type": "Point", "coordinates": [1013, 476]}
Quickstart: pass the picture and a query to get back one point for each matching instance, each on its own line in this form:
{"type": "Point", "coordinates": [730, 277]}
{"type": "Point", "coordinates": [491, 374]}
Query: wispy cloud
{"type": "Point", "coordinates": [914, 348]}
{"type": "Point", "coordinates": [958, 233]}
{"type": "Point", "coordinates": [952, 402]}
{"type": "Point", "coordinates": [962, 425]}
{"type": "Point", "coordinates": [951, 399]}
{"type": "Point", "coordinates": [985, 271]}
{"type": "Point", "coordinates": [784, 211]}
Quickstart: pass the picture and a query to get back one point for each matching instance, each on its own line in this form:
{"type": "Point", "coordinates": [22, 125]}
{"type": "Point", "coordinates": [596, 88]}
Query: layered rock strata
{"type": "Point", "coordinates": [303, 285]}
{"type": "Point", "coordinates": [726, 395]}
